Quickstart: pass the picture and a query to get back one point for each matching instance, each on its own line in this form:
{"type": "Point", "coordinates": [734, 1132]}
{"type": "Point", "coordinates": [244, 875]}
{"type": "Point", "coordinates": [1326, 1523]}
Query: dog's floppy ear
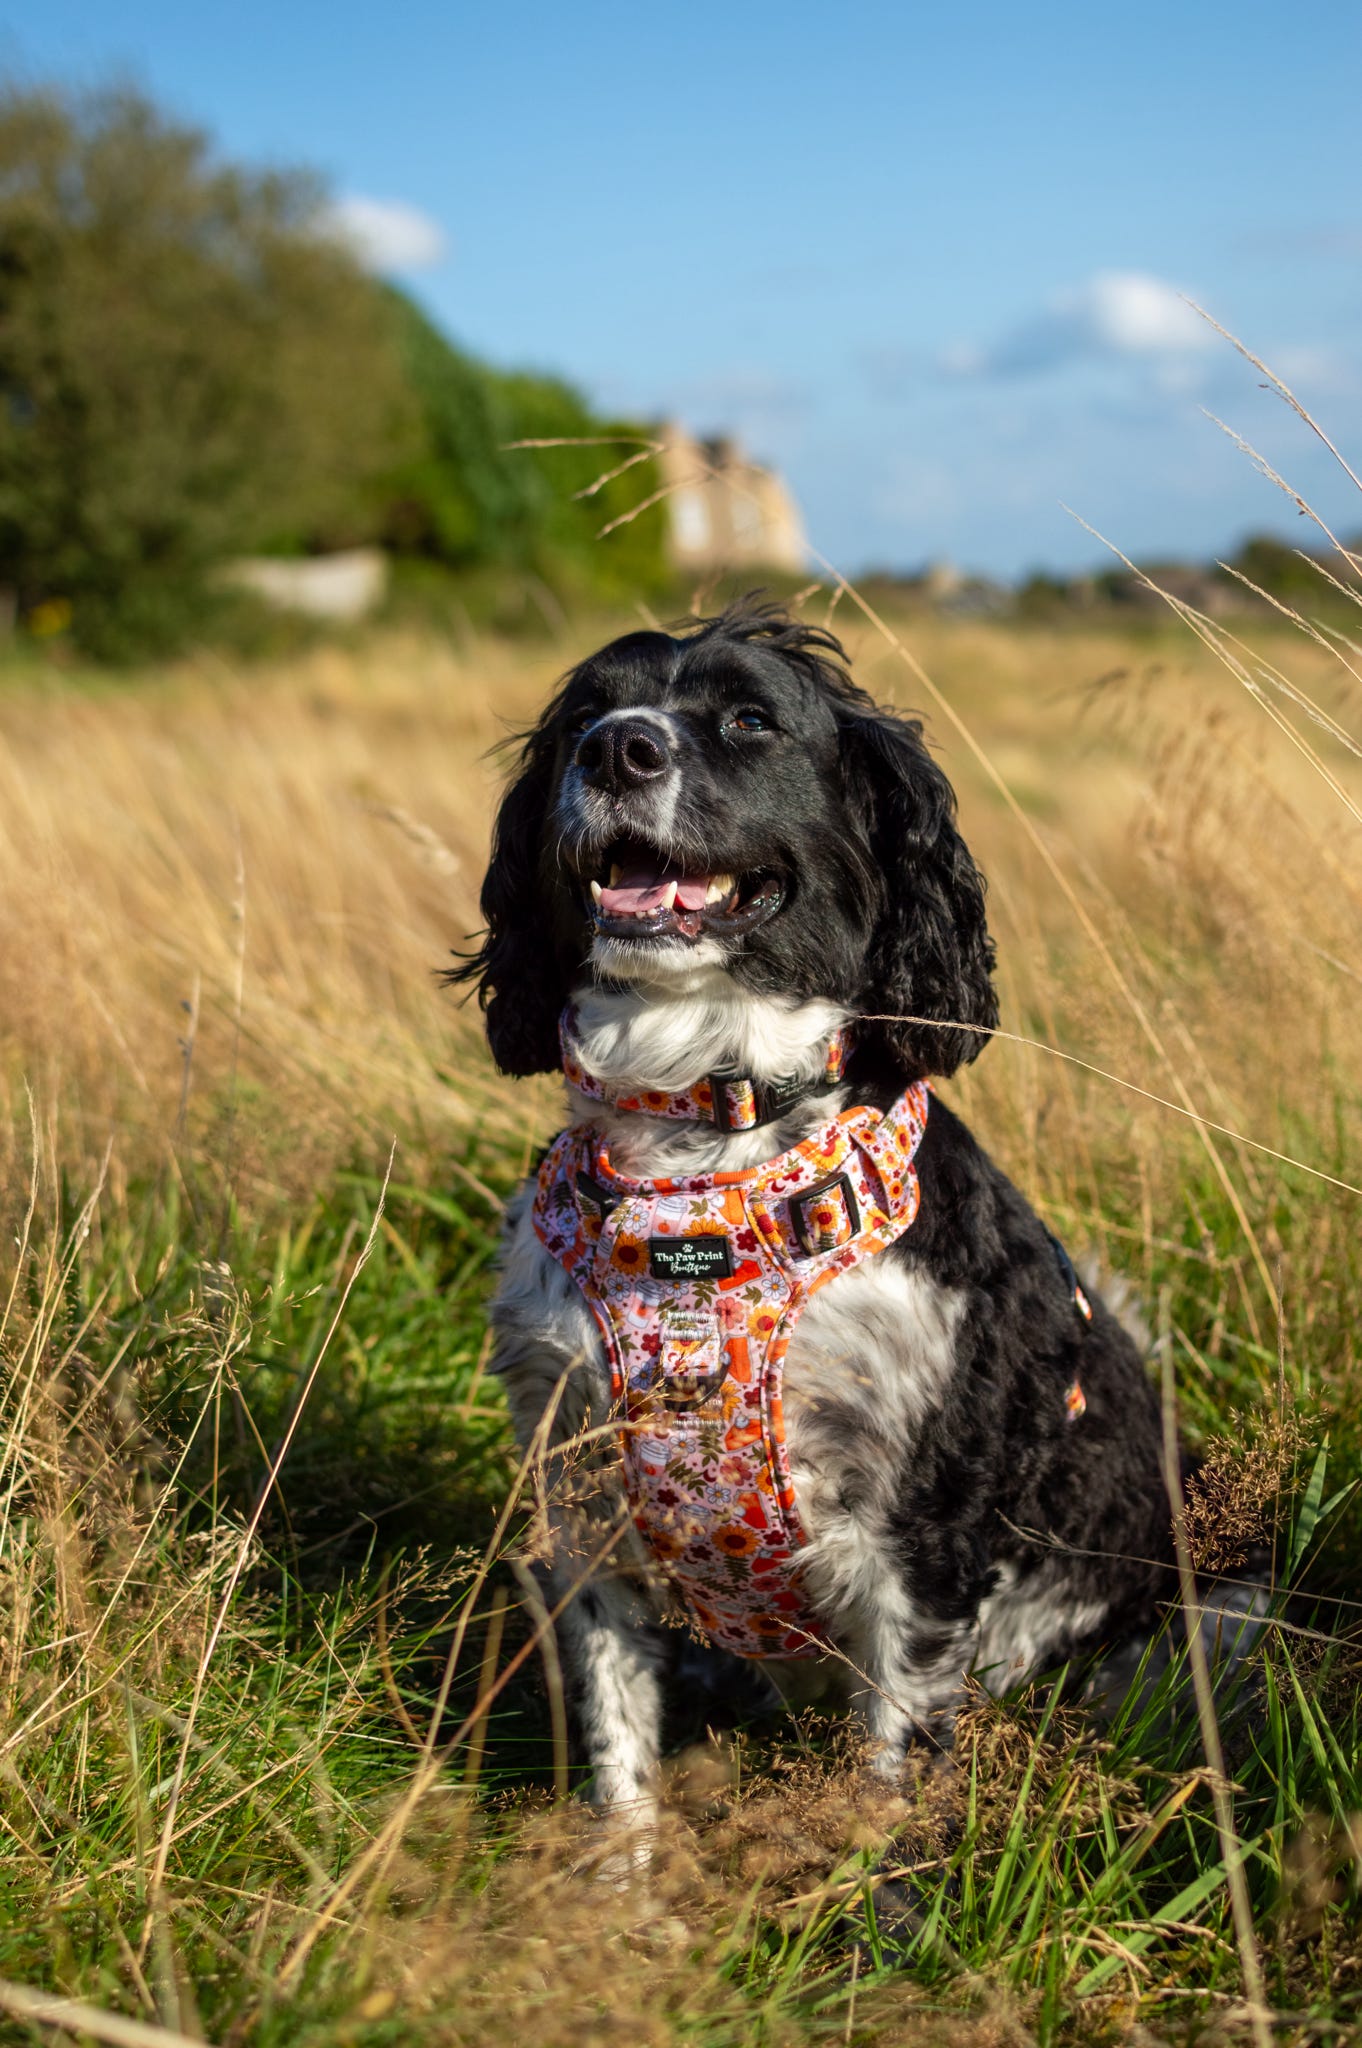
{"type": "Point", "coordinates": [931, 955]}
{"type": "Point", "coordinates": [520, 970]}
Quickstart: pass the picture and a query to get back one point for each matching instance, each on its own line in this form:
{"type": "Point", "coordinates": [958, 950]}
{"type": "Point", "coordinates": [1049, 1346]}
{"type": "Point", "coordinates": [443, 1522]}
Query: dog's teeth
{"type": "Point", "coordinates": [668, 897]}
{"type": "Point", "coordinates": [595, 892]}
{"type": "Point", "coordinates": [720, 889]}
{"type": "Point", "coordinates": [614, 874]}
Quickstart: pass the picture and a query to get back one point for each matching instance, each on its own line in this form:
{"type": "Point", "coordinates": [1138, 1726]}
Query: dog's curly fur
{"type": "Point", "coordinates": [956, 1516]}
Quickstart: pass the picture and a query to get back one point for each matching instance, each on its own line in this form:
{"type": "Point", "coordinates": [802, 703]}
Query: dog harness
{"type": "Point", "coordinates": [696, 1285]}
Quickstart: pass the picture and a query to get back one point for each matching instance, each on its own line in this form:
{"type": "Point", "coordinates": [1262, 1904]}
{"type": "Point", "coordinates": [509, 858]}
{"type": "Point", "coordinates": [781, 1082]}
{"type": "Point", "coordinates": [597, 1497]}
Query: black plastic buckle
{"type": "Point", "coordinates": [717, 1084]}
{"type": "Point", "coordinates": [775, 1097]}
{"type": "Point", "coordinates": [599, 1197]}
{"type": "Point", "coordinates": [770, 1099]}
{"type": "Point", "coordinates": [834, 1180]}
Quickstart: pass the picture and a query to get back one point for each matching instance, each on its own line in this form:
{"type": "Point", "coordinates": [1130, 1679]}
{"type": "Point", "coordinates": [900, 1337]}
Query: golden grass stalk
{"type": "Point", "coordinates": [1232, 1850]}
{"type": "Point", "coordinates": [73, 2016]}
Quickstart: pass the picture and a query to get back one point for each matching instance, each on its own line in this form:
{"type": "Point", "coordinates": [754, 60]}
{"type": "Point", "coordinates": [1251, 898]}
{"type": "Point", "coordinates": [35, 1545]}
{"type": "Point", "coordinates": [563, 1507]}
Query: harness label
{"type": "Point", "coordinates": [690, 1258]}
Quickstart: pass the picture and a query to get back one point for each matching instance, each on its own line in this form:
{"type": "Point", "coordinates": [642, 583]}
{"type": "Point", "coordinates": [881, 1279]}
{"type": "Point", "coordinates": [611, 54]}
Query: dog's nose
{"type": "Point", "coordinates": [621, 753]}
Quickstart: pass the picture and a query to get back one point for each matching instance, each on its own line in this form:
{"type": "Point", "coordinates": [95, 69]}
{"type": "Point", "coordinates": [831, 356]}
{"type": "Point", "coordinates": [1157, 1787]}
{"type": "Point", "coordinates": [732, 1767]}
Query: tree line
{"type": "Point", "coordinates": [194, 366]}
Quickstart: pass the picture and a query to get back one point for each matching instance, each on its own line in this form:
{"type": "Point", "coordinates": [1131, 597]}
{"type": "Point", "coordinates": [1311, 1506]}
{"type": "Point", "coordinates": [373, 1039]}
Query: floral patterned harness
{"type": "Point", "coordinates": [696, 1285]}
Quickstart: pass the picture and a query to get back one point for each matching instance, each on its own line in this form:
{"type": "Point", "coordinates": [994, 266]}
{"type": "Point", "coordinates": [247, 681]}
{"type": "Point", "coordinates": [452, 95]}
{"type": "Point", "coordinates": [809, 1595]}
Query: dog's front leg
{"type": "Point", "coordinates": [548, 1356]}
{"type": "Point", "coordinates": [606, 1623]}
{"type": "Point", "coordinates": [614, 1655]}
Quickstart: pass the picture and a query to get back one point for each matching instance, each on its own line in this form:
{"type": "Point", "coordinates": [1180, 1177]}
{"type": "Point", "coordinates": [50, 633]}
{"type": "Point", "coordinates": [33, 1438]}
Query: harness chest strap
{"type": "Point", "coordinates": [696, 1285]}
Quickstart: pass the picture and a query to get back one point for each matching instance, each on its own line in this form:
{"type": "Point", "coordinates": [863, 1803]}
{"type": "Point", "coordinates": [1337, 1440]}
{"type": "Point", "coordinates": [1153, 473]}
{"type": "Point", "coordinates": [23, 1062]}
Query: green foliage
{"type": "Point", "coordinates": [457, 498]}
{"type": "Point", "coordinates": [467, 497]}
{"type": "Point", "coordinates": [193, 367]}
{"type": "Point", "coordinates": [1041, 596]}
{"type": "Point", "coordinates": [1279, 569]}
{"type": "Point", "coordinates": [190, 366]}
{"type": "Point", "coordinates": [1076, 1882]}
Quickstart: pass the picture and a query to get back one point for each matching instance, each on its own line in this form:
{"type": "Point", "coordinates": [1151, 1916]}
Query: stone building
{"type": "Point", "coordinates": [725, 511]}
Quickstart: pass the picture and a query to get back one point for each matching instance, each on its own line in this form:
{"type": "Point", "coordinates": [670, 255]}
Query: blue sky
{"type": "Point", "coordinates": [927, 260]}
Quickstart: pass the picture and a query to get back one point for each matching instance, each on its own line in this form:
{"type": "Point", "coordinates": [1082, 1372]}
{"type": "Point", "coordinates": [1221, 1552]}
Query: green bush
{"type": "Point", "coordinates": [1280, 569]}
{"type": "Point", "coordinates": [469, 498]}
{"type": "Point", "coordinates": [191, 366]}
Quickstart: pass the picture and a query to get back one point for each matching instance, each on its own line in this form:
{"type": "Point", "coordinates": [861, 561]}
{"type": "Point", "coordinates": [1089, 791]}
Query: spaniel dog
{"type": "Point", "coordinates": [719, 858]}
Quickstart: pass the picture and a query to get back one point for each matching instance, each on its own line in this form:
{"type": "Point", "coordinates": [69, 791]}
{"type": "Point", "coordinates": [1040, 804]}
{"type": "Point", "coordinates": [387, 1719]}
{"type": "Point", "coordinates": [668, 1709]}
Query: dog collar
{"type": "Point", "coordinates": [732, 1102]}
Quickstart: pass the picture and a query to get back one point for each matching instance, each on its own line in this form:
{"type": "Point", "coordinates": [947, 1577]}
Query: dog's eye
{"type": "Point", "coordinates": [749, 719]}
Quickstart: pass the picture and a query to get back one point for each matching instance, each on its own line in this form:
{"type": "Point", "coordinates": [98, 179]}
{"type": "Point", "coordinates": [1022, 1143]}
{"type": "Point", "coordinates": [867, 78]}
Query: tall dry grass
{"type": "Point", "coordinates": [231, 891]}
{"type": "Point", "coordinates": [217, 1819]}
{"type": "Point", "coordinates": [225, 897]}
{"type": "Point", "coordinates": [303, 846]}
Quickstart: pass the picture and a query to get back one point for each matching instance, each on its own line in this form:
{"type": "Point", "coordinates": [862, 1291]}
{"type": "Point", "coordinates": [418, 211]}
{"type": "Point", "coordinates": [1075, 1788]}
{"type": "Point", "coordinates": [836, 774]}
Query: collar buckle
{"type": "Point", "coordinates": [719, 1085]}
{"type": "Point", "coordinates": [768, 1099]}
{"type": "Point", "coordinates": [775, 1097]}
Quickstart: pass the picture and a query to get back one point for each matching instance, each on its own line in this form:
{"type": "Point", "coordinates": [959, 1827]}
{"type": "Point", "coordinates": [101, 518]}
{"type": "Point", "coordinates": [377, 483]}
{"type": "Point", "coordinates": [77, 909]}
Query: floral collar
{"type": "Point", "coordinates": [732, 1102]}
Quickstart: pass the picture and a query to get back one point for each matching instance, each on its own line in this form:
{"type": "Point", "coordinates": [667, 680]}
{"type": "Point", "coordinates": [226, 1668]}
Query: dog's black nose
{"type": "Point", "coordinates": [620, 753]}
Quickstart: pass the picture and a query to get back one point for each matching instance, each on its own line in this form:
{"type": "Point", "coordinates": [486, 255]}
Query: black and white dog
{"type": "Point", "coordinates": [719, 850]}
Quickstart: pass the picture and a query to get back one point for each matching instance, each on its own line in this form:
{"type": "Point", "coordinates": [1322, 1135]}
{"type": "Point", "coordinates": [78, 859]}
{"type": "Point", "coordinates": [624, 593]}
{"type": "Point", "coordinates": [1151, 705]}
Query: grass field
{"type": "Point", "coordinates": [283, 1761]}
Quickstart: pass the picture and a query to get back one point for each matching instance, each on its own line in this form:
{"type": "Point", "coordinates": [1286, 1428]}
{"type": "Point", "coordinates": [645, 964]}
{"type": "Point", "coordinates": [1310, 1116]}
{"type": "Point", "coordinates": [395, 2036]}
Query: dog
{"type": "Point", "coordinates": [729, 895]}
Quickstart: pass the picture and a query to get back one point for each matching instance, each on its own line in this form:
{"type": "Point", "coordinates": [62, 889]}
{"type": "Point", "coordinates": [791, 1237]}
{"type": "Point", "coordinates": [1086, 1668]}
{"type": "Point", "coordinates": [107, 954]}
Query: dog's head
{"type": "Point", "coordinates": [727, 799]}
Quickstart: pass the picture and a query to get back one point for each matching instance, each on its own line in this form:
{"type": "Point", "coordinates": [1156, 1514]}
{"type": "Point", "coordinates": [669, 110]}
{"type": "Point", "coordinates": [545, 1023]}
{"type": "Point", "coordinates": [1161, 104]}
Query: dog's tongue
{"type": "Point", "coordinates": [642, 886]}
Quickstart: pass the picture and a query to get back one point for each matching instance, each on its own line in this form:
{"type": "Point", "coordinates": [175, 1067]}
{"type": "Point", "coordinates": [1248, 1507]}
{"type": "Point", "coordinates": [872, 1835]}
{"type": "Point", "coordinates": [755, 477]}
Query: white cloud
{"type": "Point", "coordinates": [1115, 314]}
{"type": "Point", "coordinates": [1135, 315]}
{"type": "Point", "coordinates": [386, 235]}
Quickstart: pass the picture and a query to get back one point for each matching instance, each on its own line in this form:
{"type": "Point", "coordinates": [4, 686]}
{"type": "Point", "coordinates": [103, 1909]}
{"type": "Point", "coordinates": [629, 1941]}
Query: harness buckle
{"type": "Point", "coordinates": [601, 1199]}
{"type": "Point", "coordinates": [826, 1215]}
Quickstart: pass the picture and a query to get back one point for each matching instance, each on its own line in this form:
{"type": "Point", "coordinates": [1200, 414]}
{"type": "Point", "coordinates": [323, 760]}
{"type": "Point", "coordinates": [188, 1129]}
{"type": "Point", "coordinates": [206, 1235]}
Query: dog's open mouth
{"type": "Point", "coordinates": [638, 893]}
